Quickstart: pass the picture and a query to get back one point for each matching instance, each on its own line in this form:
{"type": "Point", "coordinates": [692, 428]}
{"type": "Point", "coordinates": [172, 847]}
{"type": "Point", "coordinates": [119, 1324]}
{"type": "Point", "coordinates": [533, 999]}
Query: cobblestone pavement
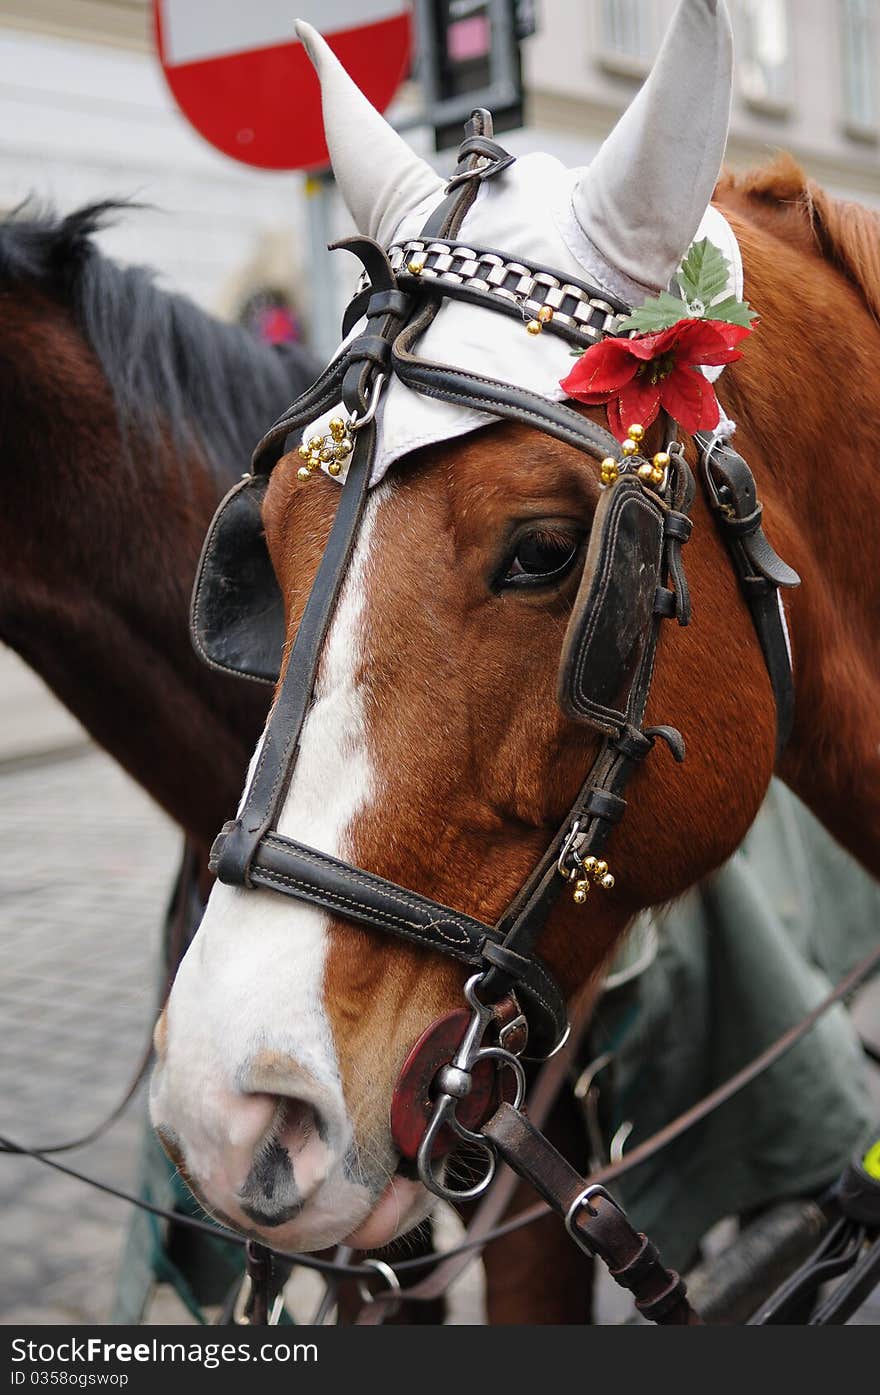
{"type": "Point", "coordinates": [86, 865]}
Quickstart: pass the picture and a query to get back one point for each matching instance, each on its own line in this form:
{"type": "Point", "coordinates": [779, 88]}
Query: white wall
{"type": "Point", "coordinates": [83, 121]}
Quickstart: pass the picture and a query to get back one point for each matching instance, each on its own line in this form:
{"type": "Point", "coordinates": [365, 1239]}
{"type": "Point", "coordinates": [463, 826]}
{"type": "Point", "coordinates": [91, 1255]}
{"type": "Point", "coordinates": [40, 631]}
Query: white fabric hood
{"type": "Point", "coordinates": [623, 223]}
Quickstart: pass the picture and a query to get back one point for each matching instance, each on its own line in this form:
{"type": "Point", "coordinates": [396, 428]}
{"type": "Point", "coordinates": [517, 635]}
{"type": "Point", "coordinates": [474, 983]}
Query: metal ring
{"type": "Point", "coordinates": [468, 1193]}
{"type": "Point", "coordinates": [391, 1279]}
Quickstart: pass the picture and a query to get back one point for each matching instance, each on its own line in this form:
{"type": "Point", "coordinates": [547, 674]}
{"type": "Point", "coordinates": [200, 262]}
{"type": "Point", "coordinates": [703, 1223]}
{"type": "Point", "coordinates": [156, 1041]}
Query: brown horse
{"type": "Point", "coordinates": [435, 753]}
{"type": "Point", "coordinates": [126, 413]}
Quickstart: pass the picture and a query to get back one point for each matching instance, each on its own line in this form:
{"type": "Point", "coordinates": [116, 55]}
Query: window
{"type": "Point", "coordinates": [626, 35]}
{"type": "Point", "coordinates": [765, 55]}
{"type": "Point", "coordinates": [858, 46]}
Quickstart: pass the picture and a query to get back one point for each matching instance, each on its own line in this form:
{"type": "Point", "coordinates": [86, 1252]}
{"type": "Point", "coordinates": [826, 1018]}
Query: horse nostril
{"type": "Point", "coordinates": [288, 1166]}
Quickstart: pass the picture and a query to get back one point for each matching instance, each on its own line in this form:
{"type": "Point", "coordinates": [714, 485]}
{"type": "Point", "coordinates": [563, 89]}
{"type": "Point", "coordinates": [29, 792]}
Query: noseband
{"type": "Point", "coordinates": [633, 581]}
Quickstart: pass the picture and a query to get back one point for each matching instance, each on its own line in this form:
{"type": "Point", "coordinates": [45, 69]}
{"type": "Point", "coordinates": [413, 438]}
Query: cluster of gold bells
{"type": "Point", "coordinates": [330, 450]}
{"type": "Point", "coordinates": [593, 870]}
{"type": "Point", "coordinates": [651, 472]}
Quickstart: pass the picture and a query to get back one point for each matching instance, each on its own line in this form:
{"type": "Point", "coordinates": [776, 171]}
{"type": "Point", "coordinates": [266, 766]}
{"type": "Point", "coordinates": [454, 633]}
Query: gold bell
{"type": "Point", "coordinates": [630, 447]}
{"type": "Point", "coordinates": [304, 473]}
{"type": "Point", "coordinates": [607, 882]}
{"type": "Point", "coordinates": [337, 428]}
{"type": "Point", "coordinates": [636, 432]}
{"type": "Point", "coordinates": [305, 451]}
{"type": "Point", "coordinates": [579, 895]}
{"type": "Point", "coordinates": [415, 267]}
{"type": "Point", "coordinates": [545, 314]}
{"type": "Point", "coordinates": [599, 868]}
{"type": "Point", "coordinates": [534, 327]}
{"type": "Point", "coordinates": [646, 473]}
{"type": "Point", "coordinates": [334, 468]}
{"type": "Point", "coordinates": [608, 470]}
{"type": "Point", "coordinates": [590, 865]}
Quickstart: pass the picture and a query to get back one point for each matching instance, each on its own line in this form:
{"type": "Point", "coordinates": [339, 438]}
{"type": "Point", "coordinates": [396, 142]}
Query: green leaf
{"type": "Point", "coordinates": [732, 311]}
{"type": "Point", "coordinates": [704, 272]}
{"type": "Point", "coordinates": [656, 314]}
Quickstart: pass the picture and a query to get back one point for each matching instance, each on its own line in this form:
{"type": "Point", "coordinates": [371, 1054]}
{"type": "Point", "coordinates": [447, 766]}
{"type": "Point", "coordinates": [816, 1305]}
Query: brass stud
{"type": "Point", "coordinates": [545, 314]}
{"type": "Point", "coordinates": [534, 327]}
{"type": "Point", "coordinates": [630, 447]}
{"type": "Point", "coordinates": [415, 267]}
{"type": "Point", "coordinates": [636, 432]}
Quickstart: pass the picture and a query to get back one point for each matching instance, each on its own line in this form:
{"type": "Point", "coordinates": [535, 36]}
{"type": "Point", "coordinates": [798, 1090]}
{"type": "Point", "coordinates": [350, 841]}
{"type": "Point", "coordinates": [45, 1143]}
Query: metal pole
{"type": "Point", "coordinates": [325, 311]}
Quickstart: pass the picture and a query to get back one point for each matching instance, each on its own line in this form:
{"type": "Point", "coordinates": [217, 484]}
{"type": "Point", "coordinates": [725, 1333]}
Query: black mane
{"type": "Point", "coordinates": [171, 366]}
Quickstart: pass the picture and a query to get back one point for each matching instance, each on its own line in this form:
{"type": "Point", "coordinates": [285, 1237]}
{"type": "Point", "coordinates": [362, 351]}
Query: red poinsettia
{"type": "Point", "coordinates": [636, 377]}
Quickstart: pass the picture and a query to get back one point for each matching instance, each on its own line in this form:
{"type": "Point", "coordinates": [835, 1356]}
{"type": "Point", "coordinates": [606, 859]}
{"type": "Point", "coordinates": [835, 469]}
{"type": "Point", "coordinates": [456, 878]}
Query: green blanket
{"type": "Point", "coordinates": [736, 962]}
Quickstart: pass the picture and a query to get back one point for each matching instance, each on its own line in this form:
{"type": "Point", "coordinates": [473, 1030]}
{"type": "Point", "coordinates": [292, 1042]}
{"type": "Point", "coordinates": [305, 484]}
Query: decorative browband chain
{"type": "Point", "coordinates": [543, 298]}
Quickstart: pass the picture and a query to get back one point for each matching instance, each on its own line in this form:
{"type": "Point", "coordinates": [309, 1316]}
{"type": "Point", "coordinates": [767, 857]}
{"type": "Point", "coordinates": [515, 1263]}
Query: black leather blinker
{"type": "Point", "coordinates": [237, 612]}
{"type": "Point", "coordinates": [610, 628]}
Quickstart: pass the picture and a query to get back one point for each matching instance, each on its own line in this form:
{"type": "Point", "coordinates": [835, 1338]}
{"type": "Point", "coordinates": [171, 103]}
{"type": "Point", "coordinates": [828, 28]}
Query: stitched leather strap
{"type": "Point", "coordinates": [295, 870]}
{"type": "Point", "coordinates": [595, 1222]}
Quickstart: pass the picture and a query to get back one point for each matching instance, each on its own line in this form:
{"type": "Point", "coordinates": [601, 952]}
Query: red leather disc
{"type": "Point", "coordinates": [412, 1104]}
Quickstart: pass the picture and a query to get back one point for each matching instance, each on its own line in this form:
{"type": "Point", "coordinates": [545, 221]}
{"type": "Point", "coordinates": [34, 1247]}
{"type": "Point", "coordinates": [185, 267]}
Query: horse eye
{"type": "Point", "coordinates": [540, 557]}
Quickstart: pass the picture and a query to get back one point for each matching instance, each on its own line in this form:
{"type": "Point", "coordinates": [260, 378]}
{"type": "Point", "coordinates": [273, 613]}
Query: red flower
{"type": "Point", "coordinates": [636, 377]}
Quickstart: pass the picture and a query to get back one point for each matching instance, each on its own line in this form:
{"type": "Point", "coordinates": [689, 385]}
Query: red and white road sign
{"type": "Point", "coordinates": [244, 81]}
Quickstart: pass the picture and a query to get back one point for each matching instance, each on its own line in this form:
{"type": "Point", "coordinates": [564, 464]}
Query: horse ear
{"type": "Point", "coordinates": [379, 176]}
{"type": "Point", "coordinates": [641, 200]}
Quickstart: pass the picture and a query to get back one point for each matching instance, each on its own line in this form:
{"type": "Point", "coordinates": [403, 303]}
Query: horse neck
{"type": "Point", "coordinates": [804, 396]}
{"type": "Point", "coordinates": [100, 540]}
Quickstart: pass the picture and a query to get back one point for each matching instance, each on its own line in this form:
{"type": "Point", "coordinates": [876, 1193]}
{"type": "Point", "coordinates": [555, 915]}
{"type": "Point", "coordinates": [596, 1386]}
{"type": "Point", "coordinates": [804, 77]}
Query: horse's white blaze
{"type": "Point", "coordinates": [252, 980]}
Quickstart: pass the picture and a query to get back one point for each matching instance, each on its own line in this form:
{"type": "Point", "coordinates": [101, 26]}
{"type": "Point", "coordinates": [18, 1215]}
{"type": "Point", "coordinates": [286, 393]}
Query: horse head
{"type": "Point", "coordinates": [435, 751]}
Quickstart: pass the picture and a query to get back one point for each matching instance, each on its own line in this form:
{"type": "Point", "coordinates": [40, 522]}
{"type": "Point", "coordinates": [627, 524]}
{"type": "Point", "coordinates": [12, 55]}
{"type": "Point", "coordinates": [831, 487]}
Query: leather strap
{"type": "Point", "coordinates": [733, 498]}
{"type": "Point", "coordinates": [274, 767]}
{"type": "Point", "coordinates": [295, 870]}
{"type": "Point", "coordinates": [593, 1219]}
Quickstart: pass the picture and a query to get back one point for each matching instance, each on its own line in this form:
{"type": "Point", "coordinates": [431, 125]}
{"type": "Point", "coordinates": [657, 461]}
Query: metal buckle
{"type": "Point", "coordinates": [583, 1200]}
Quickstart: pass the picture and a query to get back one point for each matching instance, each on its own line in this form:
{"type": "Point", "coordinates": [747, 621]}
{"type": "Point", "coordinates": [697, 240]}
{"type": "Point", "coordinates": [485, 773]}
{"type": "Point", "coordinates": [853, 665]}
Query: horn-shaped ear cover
{"type": "Point", "coordinates": [237, 611]}
{"type": "Point", "coordinates": [380, 177]}
{"type": "Point", "coordinates": [641, 200]}
{"type": "Point", "coordinates": [608, 635]}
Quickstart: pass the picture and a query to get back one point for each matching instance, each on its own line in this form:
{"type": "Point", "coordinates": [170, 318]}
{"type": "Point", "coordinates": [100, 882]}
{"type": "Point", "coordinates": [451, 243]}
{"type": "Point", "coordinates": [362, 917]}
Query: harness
{"type": "Point", "coordinates": [633, 581]}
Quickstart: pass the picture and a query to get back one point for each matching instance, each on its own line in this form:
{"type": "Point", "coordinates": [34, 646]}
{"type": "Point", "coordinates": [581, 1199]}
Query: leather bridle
{"type": "Point", "coordinates": [513, 1001]}
{"type": "Point", "coordinates": [641, 525]}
